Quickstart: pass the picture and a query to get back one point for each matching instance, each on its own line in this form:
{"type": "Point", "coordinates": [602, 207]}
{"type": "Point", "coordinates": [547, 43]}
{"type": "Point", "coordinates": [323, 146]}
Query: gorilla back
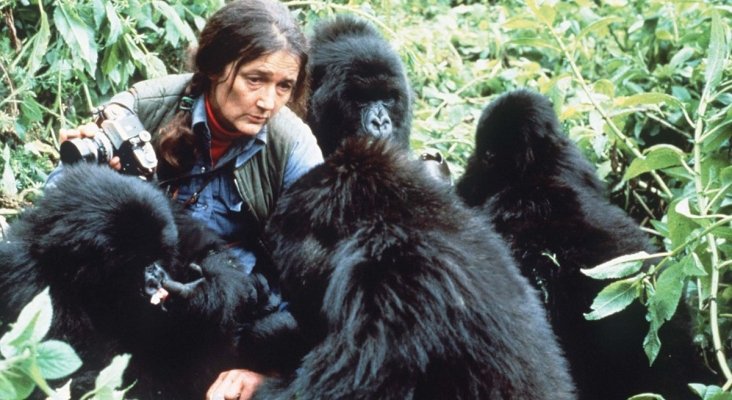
{"type": "Point", "coordinates": [544, 198]}
{"type": "Point", "coordinates": [402, 292]}
{"type": "Point", "coordinates": [359, 86]}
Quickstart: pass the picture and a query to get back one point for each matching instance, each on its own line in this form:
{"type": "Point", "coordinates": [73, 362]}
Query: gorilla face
{"type": "Point", "coordinates": [358, 84]}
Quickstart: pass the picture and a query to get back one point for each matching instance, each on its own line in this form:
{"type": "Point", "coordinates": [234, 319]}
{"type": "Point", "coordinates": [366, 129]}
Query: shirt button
{"type": "Point", "coordinates": [203, 169]}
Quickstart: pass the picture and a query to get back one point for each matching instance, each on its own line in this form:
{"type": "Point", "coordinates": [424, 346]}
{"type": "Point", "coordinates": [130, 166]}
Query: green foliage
{"type": "Point", "coordinates": [29, 361]}
{"type": "Point", "coordinates": [642, 86]}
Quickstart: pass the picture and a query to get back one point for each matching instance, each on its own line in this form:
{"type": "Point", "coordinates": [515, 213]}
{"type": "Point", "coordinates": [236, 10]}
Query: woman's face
{"type": "Point", "coordinates": [242, 101]}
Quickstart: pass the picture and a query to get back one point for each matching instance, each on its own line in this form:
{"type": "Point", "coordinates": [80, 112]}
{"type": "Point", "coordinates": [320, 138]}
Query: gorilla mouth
{"type": "Point", "coordinates": [155, 275]}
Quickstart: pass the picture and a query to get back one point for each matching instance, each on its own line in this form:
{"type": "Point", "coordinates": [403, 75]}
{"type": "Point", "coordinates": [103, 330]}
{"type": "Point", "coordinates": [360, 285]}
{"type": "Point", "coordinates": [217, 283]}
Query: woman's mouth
{"type": "Point", "coordinates": [256, 119]}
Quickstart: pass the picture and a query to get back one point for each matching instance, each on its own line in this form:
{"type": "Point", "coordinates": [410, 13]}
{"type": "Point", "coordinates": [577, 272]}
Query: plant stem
{"type": "Point", "coordinates": [712, 245]}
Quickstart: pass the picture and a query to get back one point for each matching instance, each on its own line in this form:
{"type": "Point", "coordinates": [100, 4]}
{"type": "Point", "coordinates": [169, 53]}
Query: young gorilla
{"type": "Point", "coordinates": [358, 85]}
{"type": "Point", "coordinates": [104, 243]}
{"type": "Point", "coordinates": [401, 292]}
{"type": "Point", "coordinates": [544, 198]}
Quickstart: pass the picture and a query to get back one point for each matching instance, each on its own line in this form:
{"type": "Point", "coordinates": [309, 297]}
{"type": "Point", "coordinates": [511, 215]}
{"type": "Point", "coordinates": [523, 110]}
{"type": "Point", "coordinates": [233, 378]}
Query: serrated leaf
{"type": "Point", "coordinates": [32, 325]}
{"type": "Point", "coordinates": [57, 359]}
{"type": "Point", "coordinates": [614, 298]}
{"type": "Point", "coordinates": [77, 35]}
{"type": "Point", "coordinates": [668, 291]}
{"type": "Point", "coordinates": [111, 376]}
{"type": "Point", "coordinates": [39, 43]}
{"type": "Point", "coordinates": [618, 267]}
{"type": "Point", "coordinates": [692, 266]}
{"type": "Point", "coordinates": [716, 55]}
{"type": "Point", "coordinates": [679, 226]}
{"type": "Point", "coordinates": [154, 66]}
{"type": "Point", "coordinates": [172, 16]}
{"type": "Point", "coordinates": [115, 25]}
{"type": "Point", "coordinates": [657, 157]}
{"type": "Point", "coordinates": [652, 343]}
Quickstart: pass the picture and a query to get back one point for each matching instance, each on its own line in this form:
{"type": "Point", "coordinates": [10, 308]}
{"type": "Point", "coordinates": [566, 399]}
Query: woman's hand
{"type": "Point", "coordinates": [85, 131]}
{"type": "Point", "coordinates": [236, 384]}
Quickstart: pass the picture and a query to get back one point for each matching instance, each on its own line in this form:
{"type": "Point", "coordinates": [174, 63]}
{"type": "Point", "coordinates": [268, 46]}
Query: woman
{"type": "Point", "coordinates": [226, 141]}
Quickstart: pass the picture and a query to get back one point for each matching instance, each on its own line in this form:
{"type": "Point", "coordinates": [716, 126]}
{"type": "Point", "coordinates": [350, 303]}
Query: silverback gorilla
{"type": "Point", "coordinates": [401, 292]}
{"type": "Point", "coordinates": [358, 85]}
{"type": "Point", "coordinates": [544, 198]}
{"type": "Point", "coordinates": [104, 243]}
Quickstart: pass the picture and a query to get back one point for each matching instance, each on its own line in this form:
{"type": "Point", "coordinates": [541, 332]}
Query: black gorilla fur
{"type": "Point", "coordinates": [544, 197]}
{"type": "Point", "coordinates": [402, 292]}
{"type": "Point", "coordinates": [358, 83]}
{"type": "Point", "coordinates": [98, 240]}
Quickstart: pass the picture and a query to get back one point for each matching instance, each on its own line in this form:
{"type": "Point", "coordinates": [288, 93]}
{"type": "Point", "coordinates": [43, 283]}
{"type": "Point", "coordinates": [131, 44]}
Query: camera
{"type": "Point", "coordinates": [121, 134]}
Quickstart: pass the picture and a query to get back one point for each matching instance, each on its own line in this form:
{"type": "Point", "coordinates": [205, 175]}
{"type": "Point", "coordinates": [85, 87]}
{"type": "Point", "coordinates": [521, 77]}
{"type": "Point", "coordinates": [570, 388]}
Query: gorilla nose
{"type": "Point", "coordinates": [154, 277]}
{"type": "Point", "coordinates": [379, 124]}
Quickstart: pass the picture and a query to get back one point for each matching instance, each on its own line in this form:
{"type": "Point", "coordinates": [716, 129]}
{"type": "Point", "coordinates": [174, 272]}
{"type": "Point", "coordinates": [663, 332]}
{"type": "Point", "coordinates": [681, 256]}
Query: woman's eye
{"type": "Point", "coordinates": [285, 87]}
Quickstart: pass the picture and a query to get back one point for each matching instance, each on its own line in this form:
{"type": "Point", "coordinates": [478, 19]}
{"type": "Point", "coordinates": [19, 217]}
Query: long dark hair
{"type": "Point", "coordinates": [239, 32]}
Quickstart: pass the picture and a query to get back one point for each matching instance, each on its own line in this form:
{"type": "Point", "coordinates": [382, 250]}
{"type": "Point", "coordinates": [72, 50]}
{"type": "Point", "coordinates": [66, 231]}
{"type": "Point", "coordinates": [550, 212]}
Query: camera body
{"type": "Point", "coordinates": [121, 134]}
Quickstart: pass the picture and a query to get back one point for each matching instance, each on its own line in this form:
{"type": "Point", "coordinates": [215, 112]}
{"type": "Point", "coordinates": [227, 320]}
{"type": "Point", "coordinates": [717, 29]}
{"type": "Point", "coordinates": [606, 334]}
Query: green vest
{"type": "Point", "coordinates": [259, 181]}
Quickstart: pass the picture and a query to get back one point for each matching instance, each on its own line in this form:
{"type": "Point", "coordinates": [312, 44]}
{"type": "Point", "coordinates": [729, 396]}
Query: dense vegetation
{"type": "Point", "coordinates": [643, 86]}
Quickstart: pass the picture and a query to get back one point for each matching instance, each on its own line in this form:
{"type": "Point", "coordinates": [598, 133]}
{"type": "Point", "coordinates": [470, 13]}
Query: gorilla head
{"type": "Point", "coordinates": [358, 85]}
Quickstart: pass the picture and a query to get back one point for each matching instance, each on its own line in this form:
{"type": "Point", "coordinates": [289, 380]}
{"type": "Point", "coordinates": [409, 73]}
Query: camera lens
{"type": "Point", "coordinates": [96, 150]}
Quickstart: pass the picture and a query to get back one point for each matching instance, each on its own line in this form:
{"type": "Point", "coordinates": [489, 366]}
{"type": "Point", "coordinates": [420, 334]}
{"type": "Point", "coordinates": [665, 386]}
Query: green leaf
{"type": "Point", "coordinates": [521, 23]}
{"type": "Point", "coordinates": [657, 157]}
{"type": "Point", "coordinates": [154, 66]}
{"type": "Point", "coordinates": [172, 16]}
{"type": "Point", "coordinates": [693, 266]}
{"type": "Point", "coordinates": [77, 35]}
{"type": "Point", "coordinates": [710, 392]}
{"type": "Point", "coordinates": [679, 226]}
{"type": "Point", "coordinates": [614, 298]}
{"type": "Point", "coordinates": [7, 389]}
{"type": "Point", "coordinates": [652, 343]}
{"type": "Point", "coordinates": [32, 325]}
{"type": "Point", "coordinates": [646, 396]}
{"type": "Point", "coordinates": [666, 297]}
{"type": "Point", "coordinates": [645, 99]}
{"type": "Point", "coordinates": [111, 376]}
{"type": "Point", "coordinates": [115, 25]}
{"type": "Point", "coordinates": [22, 384]}
{"type": "Point", "coordinates": [716, 55]}
{"type": "Point", "coordinates": [618, 267]}
{"type": "Point", "coordinates": [597, 25]}
{"type": "Point", "coordinates": [57, 359]}
{"type": "Point", "coordinates": [681, 57]}
{"type": "Point", "coordinates": [39, 43]}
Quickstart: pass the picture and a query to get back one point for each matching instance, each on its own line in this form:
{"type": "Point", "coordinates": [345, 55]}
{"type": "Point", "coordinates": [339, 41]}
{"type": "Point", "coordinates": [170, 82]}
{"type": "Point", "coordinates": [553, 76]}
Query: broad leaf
{"type": "Point", "coordinates": [614, 298]}
{"type": "Point", "coordinates": [32, 325]}
{"type": "Point", "coordinates": [57, 359]}
{"type": "Point", "coordinates": [618, 267]}
{"type": "Point", "coordinates": [657, 157]}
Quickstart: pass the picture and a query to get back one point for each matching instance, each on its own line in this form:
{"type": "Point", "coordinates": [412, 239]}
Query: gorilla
{"type": "Point", "coordinates": [402, 293]}
{"type": "Point", "coordinates": [104, 243]}
{"type": "Point", "coordinates": [358, 85]}
{"type": "Point", "coordinates": [545, 199]}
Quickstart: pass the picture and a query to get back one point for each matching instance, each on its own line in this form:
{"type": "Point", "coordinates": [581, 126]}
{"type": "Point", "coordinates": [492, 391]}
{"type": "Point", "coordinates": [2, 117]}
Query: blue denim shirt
{"type": "Point", "coordinates": [219, 204]}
